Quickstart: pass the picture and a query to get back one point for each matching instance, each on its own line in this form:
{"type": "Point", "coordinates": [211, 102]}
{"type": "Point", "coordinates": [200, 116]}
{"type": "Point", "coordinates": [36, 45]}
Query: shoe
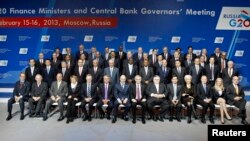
{"type": "Point", "coordinates": [68, 120]}
{"type": "Point", "coordinates": [84, 118]}
{"type": "Point", "coordinates": [9, 117]}
{"type": "Point", "coordinates": [101, 116]}
{"type": "Point", "coordinates": [22, 117]}
{"type": "Point", "coordinates": [222, 122]}
{"type": "Point", "coordinates": [161, 119]}
{"type": "Point", "coordinates": [229, 118]}
{"type": "Point", "coordinates": [189, 120]}
{"type": "Point", "coordinates": [114, 120]}
{"type": "Point", "coordinates": [244, 122]}
{"type": "Point", "coordinates": [211, 120]}
{"type": "Point", "coordinates": [108, 117]}
{"type": "Point", "coordinates": [143, 121]}
{"type": "Point", "coordinates": [71, 119]}
{"type": "Point", "coordinates": [60, 118]}
{"type": "Point", "coordinates": [178, 119]}
{"type": "Point", "coordinates": [133, 121]}
{"type": "Point", "coordinates": [90, 118]}
{"type": "Point", "coordinates": [126, 118]}
{"type": "Point", "coordinates": [203, 120]}
{"type": "Point", "coordinates": [45, 118]}
{"type": "Point", "coordinates": [171, 119]}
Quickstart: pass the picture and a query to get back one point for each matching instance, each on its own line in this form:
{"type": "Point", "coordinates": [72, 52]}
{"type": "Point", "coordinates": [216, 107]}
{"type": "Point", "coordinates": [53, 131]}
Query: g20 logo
{"type": "Point", "coordinates": [239, 23]}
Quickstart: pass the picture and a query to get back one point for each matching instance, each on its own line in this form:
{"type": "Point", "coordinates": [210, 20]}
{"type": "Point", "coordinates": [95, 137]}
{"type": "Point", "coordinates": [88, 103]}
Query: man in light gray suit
{"type": "Point", "coordinates": [112, 71]}
{"type": "Point", "coordinates": [58, 92]}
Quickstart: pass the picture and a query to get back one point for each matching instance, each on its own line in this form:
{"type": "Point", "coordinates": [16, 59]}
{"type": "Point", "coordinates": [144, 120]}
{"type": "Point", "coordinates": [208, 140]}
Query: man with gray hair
{"type": "Point", "coordinates": [112, 71]}
{"type": "Point", "coordinates": [228, 73]}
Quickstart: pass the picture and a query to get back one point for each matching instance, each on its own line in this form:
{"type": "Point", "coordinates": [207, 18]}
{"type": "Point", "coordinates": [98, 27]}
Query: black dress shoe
{"type": "Point", "coordinates": [60, 118]}
{"type": "Point", "coordinates": [108, 117]}
{"type": "Point", "coordinates": [68, 120]}
{"type": "Point", "coordinates": [90, 118]}
{"type": "Point", "coordinates": [189, 120]}
{"type": "Point", "coordinates": [9, 117]}
{"type": "Point", "coordinates": [45, 118]}
{"type": "Point", "coordinates": [203, 120]}
{"type": "Point", "coordinates": [155, 118]}
{"type": "Point", "coordinates": [244, 122]}
{"type": "Point", "coordinates": [178, 119]}
{"type": "Point", "coordinates": [143, 121]}
{"type": "Point", "coordinates": [126, 118]}
{"type": "Point", "coordinates": [101, 116]}
{"type": "Point", "coordinates": [171, 119]}
{"type": "Point", "coordinates": [211, 120]}
{"type": "Point", "coordinates": [133, 121]}
{"type": "Point", "coordinates": [114, 120]}
{"type": "Point", "coordinates": [71, 119]}
{"type": "Point", "coordinates": [84, 118]}
{"type": "Point", "coordinates": [22, 117]}
{"type": "Point", "coordinates": [161, 119]}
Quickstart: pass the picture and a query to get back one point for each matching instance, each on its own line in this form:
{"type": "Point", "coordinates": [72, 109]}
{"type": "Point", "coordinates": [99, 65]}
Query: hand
{"type": "Point", "coordinates": [191, 97]}
{"type": "Point", "coordinates": [17, 98]}
{"type": "Point", "coordinates": [119, 101]}
{"type": "Point", "coordinates": [69, 97]}
{"type": "Point", "coordinates": [133, 100]}
{"type": "Point", "coordinates": [58, 98]}
{"type": "Point", "coordinates": [75, 99]}
{"type": "Point", "coordinates": [125, 100]}
{"type": "Point", "coordinates": [53, 98]}
{"type": "Point", "coordinates": [146, 82]}
{"type": "Point", "coordinates": [184, 94]}
{"type": "Point", "coordinates": [143, 100]}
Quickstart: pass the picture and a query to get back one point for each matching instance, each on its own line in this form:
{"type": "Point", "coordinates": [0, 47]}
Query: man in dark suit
{"type": "Point", "coordinates": [157, 95]}
{"type": "Point", "coordinates": [55, 63]}
{"type": "Point", "coordinates": [106, 56]}
{"type": "Point", "coordinates": [236, 97]}
{"type": "Point", "coordinates": [190, 52]}
{"type": "Point", "coordinates": [58, 54]}
{"type": "Point", "coordinates": [38, 93]}
{"type": "Point", "coordinates": [92, 54]}
{"type": "Point", "coordinates": [49, 73]}
{"type": "Point", "coordinates": [158, 63]}
{"type": "Point", "coordinates": [81, 51]}
{"type": "Point", "coordinates": [138, 56]}
{"type": "Point", "coordinates": [138, 97]}
{"type": "Point", "coordinates": [176, 57]}
{"type": "Point", "coordinates": [188, 62]}
{"type": "Point", "coordinates": [113, 72]}
{"type": "Point", "coordinates": [228, 73]}
{"type": "Point", "coordinates": [58, 92]}
{"type": "Point", "coordinates": [70, 63]}
{"type": "Point", "coordinates": [69, 54]}
{"type": "Point", "coordinates": [80, 71]}
{"type": "Point", "coordinates": [65, 72]}
{"type": "Point", "coordinates": [105, 93]}
{"type": "Point", "coordinates": [164, 72]}
{"type": "Point", "coordinates": [216, 54]}
{"type": "Point", "coordinates": [130, 70]}
{"type": "Point", "coordinates": [205, 96]}
{"type": "Point", "coordinates": [40, 63]}
{"type": "Point", "coordinates": [222, 62]}
{"type": "Point", "coordinates": [166, 55]}
{"type": "Point", "coordinates": [126, 61]}
{"type": "Point", "coordinates": [89, 96]}
{"type": "Point", "coordinates": [20, 95]}
{"type": "Point", "coordinates": [196, 71]}
{"type": "Point", "coordinates": [179, 71]}
{"type": "Point", "coordinates": [31, 72]}
{"type": "Point", "coordinates": [174, 93]}
{"type": "Point", "coordinates": [153, 57]}
{"type": "Point", "coordinates": [121, 55]}
{"type": "Point", "coordinates": [146, 73]}
{"type": "Point", "coordinates": [122, 98]}
{"type": "Point", "coordinates": [212, 71]}
{"type": "Point", "coordinates": [96, 72]}
{"type": "Point", "coordinates": [100, 61]}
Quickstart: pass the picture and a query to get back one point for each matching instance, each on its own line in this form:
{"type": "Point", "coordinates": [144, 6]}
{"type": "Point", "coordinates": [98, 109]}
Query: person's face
{"type": "Point", "coordinates": [32, 63]}
{"type": "Point", "coordinates": [130, 61]}
{"type": "Point", "coordinates": [113, 55]}
{"type": "Point", "coordinates": [97, 54]}
{"type": "Point", "coordinates": [145, 56]}
{"type": "Point", "coordinates": [188, 57]}
{"type": "Point", "coordinates": [190, 50]}
{"type": "Point", "coordinates": [67, 58]}
{"type": "Point", "coordinates": [202, 59]}
{"type": "Point", "coordinates": [145, 63]}
{"type": "Point", "coordinates": [111, 64]}
{"type": "Point", "coordinates": [120, 48]}
{"type": "Point", "coordinates": [81, 47]}
{"type": "Point", "coordinates": [223, 56]}
{"type": "Point", "coordinates": [82, 57]}
{"type": "Point", "coordinates": [80, 63]}
{"type": "Point", "coordinates": [217, 50]}
{"type": "Point", "coordinates": [122, 79]}
{"type": "Point", "coordinates": [38, 78]}
{"type": "Point", "coordinates": [176, 55]}
{"type": "Point", "coordinates": [139, 50]}
{"type": "Point", "coordinates": [57, 51]}
{"type": "Point", "coordinates": [59, 77]}
{"type": "Point", "coordinates": [188, 80]}
{"type": "Point", "coordinates": [165, 50]}
{"type": "Point", "coordinates": [159, 58]}
{"type": "Point", "coordinates": [73, 80]}
{"type": "Point", "coordinates": [164, 63]}
{"type": "Point", "coordinates": [47, 63]}
{"type": "Point", "coordinates": [156, 80]}
{"type": "Point", "coordinates": [54, 56]}
{"type": "Point", "coordinates": [204, 80]}
{"type": "Point", "coordinates": [236, 80]}
{"type": "Point", "coordinates": [230, 65]}
{"type": "Point", "coordinates": [138, 80]}
{"type": "Point", "coordinates": [95, 63]}
{"type": "Point", "coordinates": [89, 79]}
{"type": "Point", "coordinates": [93, 49]}
{"type": "Point", "coordinates": [211, 60]}
{"type": "Point", "coordinates": [63, 65]}
{"type": "Point", "coordinates": [177, 63]}
{"type": "Point", "coordinates": [107, 50]}
{"type": "Point", "coordinates": [204, 51]}
{"type": "Point", "coordinates": [106, 79]}
{"type": "Point", "coordinates": [41, 56]}
{"type": "Point", "coordinates": [197, 61]}
{"type": "Point", "coordinates": [174, 80]}
{"type": "Point", "coordinates": [219, 82]}
{"type": "Point", "coordinates": [69, 50]}
{"type": "Point", "coordinates": [22, 77]}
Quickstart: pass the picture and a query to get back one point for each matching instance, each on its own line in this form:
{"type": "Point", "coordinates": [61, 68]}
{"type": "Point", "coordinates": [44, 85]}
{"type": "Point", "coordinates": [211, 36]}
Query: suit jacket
{"type": "Point", "coordinates": [78, 54]}
{"type": "Point", "coordinates": [231, 93]}
{"type": "Point", "coordinates": [21, 90]}
{"type": "Point", "coordinates": [165, 77]}
{"type": "Point", "coordinates": [152, 89]}
{"type": "Point", "coordinates": [40, 91]}
{"type": "Point", "coordinates": [49, 78]}
{"type": "Point", "coordinates": [172, 62]}
{"type": "Point", "coordinates": [121, 93]}
{"type": "Point", "coordinates": [196, 77]}
{"type": "Point", "coordinates": [101, 63]}
{"type": "Point", "coordinates": [115, 74]}
{"type": "Point", "coordinates": [93, 92]}
{"type": "Point", "coordinates": [168, 57]}
{"type": "Point", "coordinates": [96, 77]}
{"type": "Point", "coordinates": [82, 77]}
{"type": "Point", "coordinates": [226, 78]}
{"type": "Point", "coordinates": [40, 66]}
{"type": "Point", "coordinates": [76, 92]}
{"type": "Point", "coordinates": [133, 91]}
{"type": "Point", "coordinates": [101, 91]}
{"type": "Point", "coordinates": [126, 72]}
{"type": "Point", "coordinates": [56, 64]}
{"type": "Point", "coordinates": [29, 77]}
{"type": "Point", "coordinates": [62, 91]}
{"type": "Point", "coordinates": [216, 94]}
{"type": "Point", "coordinates": [220, 64]}
{"type": "Point", "coordinates": [179, 76]}
{"type": "Point", "coordinates": [216, 57]}
{"type": "Point", "coordinates": [202, 94]}
{"type": "Point", "coordinates": [146, 77]}
{"type": "Point", "coordinates": [170, 90]}
{"type": "Point", "coordinates": [193, 56]}
{"type": "Point", "coordinates": [66, 75]}
{"type": "Point", "coordinates": [187, 66]}
{"type": "Point", "coordinates": [123, 57]}
{"type": "Point", "coordinates": [208, 72]}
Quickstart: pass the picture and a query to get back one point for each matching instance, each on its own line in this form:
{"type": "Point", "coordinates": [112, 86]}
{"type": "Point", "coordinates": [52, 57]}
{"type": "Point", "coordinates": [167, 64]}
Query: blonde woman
{"type": "Point", "coordinates": [219, 98]}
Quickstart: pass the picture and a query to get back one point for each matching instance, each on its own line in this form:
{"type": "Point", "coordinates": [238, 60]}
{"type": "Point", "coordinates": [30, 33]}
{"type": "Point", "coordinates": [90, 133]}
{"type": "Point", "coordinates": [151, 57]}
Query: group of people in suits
{"type": "Point", "coordinates": [118, 82]}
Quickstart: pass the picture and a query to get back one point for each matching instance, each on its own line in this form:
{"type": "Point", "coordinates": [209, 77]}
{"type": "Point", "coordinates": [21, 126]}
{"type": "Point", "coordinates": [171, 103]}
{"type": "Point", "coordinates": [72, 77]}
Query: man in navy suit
{"type": "Point", "coordinates": [164, 72]}
{"type": "Point", "coordinates": [81, 51]}
{"type": "Point", "coordinates": [196, 71]}
{"type": "Point", "coordinates": [48, 73]}
{"type": "Point", "coordinates": [31, 72]}
{"type": "Point", "coordinates": [20, 94]}
{"type": "Point", "coordinates": [122, 98]}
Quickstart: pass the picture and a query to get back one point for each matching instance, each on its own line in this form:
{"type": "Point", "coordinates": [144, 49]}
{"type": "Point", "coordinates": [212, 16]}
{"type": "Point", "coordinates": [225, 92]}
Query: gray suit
{"type": "Point", "coordinates": [115, 74]}
{"type": "Point", "coordinates": [55, 91]}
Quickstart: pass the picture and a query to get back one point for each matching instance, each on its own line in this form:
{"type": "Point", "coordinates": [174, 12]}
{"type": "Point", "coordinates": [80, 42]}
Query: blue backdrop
{"type": "Point", "coordinates": [189, 21]}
